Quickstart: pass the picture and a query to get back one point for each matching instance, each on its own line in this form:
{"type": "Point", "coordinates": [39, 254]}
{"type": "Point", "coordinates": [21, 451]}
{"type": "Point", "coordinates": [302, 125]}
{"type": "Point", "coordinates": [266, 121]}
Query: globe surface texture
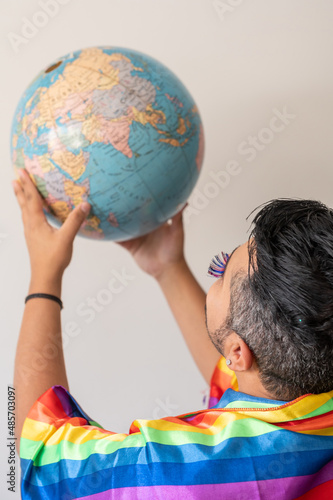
{"type": "Point", "coordinates": [114, 127]}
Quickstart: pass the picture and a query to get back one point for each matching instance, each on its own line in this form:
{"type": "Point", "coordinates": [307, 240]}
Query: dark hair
{"type": "Point", "coordinates": [283, 308]}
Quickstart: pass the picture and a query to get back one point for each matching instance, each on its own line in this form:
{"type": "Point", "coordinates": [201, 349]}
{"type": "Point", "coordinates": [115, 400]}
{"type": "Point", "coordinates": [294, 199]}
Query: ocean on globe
{"type": "Point", "coordinates": [113, 127]}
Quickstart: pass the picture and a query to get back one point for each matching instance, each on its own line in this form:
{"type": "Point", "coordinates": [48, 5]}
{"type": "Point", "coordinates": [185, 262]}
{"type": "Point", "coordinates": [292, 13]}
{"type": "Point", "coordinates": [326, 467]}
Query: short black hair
{"type": "Point", "coordinates": [283, 307]}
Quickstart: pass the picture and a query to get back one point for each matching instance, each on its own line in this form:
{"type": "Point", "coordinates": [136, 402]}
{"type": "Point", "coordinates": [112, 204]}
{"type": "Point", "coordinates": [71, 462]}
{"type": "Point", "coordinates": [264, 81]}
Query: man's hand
{"type": "Point", "coordinates": [156, 252]}
{"type": "Point", "coordinates": [50, 249]}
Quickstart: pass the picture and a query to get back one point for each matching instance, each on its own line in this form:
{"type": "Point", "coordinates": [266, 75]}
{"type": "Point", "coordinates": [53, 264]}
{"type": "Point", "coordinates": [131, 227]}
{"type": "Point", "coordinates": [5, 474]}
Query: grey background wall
{"type": "Point", "coordinates": [245, 62]}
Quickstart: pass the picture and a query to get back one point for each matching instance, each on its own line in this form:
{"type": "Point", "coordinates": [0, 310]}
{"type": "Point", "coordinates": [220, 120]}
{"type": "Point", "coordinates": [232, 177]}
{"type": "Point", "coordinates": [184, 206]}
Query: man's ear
{"type": "Point", "coordinates": [237, 351]}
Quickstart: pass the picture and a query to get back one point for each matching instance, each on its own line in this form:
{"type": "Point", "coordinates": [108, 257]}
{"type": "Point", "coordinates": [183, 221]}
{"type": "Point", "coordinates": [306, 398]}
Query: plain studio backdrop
{"type": "Point", "coordinates": [261, 73]}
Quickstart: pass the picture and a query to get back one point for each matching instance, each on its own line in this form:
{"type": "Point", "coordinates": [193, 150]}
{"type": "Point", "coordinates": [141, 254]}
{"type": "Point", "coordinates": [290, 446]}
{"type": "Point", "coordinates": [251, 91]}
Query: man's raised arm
{"type": "Point", "coordinates": [39, 361]}
{"type": "Point", "coordinates": [161, 255]}
{"type": "Point", "coordinates": [187, 302]}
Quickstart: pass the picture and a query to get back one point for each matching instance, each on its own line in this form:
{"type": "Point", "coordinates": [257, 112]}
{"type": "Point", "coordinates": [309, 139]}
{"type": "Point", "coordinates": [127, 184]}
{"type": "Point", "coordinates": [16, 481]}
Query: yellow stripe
{"type": "Point", "coordinates": [328, 431]}
{"type": "Point", "coordinates": [297, 410]}
{"type": "Point", "coordinates": [36, 429]}
{"type": "Point", "coordinates": [39, 431]}
{"type": "Point", "coordinates": [219, 424]}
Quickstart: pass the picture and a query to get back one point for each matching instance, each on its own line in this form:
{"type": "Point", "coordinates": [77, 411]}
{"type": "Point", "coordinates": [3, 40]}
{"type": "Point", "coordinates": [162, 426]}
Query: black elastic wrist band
{"type": "Point", "coordinates": [44, 296]}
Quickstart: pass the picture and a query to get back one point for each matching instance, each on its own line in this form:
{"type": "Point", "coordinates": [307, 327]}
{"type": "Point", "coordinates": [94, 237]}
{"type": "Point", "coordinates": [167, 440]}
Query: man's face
{"type": "Point", "coordinates": [218, 297]}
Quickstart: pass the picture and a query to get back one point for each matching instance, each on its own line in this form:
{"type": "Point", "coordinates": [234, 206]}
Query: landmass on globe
{"type": "Point", "coordinates": [115, 128]}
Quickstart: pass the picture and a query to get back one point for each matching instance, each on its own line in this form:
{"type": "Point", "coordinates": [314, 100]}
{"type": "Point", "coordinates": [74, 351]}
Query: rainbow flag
{"type": "Point", "coordinates": [242, 448]}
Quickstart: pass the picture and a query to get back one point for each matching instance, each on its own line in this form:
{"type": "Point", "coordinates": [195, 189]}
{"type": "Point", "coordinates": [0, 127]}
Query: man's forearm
{"type": "Point", "coordinates": [39, 361]}
{"type": "Point", "coordinates": [187, 302]}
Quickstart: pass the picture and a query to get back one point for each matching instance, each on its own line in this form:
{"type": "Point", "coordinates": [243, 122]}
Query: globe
{"type": "Point", "coordinates": [113, 127]}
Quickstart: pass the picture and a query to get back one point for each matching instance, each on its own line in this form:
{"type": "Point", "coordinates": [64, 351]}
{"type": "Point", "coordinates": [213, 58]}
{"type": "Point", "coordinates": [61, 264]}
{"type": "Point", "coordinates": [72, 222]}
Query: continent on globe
{"type": "Point", "coordinates": [114, 127]}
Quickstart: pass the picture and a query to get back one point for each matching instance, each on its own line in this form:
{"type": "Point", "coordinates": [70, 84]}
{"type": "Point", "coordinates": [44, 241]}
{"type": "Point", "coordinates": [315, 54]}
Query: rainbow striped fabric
{"type": "Point", "coordinates": [244, 448]}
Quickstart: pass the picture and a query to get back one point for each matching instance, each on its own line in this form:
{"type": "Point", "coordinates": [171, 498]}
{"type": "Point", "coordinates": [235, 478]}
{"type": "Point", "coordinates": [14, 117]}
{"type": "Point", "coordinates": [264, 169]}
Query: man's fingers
{"type": "Point", "coordinates": [178, 216]}
{"type": "Point", "coordinates": [19, 193]}
{"type": "Point", "coordinates": [31, 194]}
{"type": "Point", "coordinates": [185, 206]}
{"type": "Point", "coordinates": [74, 221]}
{"type": "Point", "coordinates": [29, 199]}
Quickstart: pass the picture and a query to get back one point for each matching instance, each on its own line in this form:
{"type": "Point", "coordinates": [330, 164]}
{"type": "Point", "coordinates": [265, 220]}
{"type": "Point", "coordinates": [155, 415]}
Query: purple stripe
{"type": "Point", "coordinates": [69, 404]}
{"type": "Point", "coordinates": [270, 489]}
{"type": "Point", "coordinates": [64, 399]}
{"type": "Point", "coordinates": [213, 402]}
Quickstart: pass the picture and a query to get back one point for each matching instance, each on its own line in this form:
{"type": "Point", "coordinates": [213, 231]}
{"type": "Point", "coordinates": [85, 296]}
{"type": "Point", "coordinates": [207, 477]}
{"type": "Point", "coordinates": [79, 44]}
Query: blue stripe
{"type": "Point", "coordinates": [234, 448]}
{"type": "Point", "coordinates": [231, 396]}
{"type": "Point", "coordinates": [207, 472]}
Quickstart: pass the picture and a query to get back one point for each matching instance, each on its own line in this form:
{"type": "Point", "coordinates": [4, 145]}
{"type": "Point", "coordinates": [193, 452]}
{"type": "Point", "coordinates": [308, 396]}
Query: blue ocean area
{"type": "Point", "coordinates": [144, 190]}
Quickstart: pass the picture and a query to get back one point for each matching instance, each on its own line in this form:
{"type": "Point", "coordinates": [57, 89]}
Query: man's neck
{"type": "Point", "coordinates": [250, 383]}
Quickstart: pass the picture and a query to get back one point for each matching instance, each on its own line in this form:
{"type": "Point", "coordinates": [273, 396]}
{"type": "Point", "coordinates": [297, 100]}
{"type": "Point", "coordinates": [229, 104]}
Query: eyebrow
{"type": "Point", "coordinates": [229, 259]}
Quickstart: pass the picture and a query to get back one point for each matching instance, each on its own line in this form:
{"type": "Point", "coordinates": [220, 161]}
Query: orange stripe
{"type": "Point", "coordinates": [309, 424]}
{"type": "Point", "coordinates": [48, 413]}
{"type": "Point", "coordinates": [201, 420]}
{"type": "Point", "coordinates": [223, 378]}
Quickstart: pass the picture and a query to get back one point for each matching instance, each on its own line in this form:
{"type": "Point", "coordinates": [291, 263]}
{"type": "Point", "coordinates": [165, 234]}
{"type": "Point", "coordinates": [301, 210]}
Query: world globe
{"type": "Point", "coordinates": [113, 127]}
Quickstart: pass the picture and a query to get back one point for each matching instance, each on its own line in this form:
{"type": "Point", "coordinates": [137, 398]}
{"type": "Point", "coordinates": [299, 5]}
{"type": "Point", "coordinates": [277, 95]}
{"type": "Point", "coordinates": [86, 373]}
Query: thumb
{"type": "Point", "coordinates": [75, 219]}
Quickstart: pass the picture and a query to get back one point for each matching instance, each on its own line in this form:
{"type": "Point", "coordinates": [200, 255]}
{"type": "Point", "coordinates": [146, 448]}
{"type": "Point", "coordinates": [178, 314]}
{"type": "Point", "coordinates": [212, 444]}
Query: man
{"type": "Point", "coordinates": [269, 431]}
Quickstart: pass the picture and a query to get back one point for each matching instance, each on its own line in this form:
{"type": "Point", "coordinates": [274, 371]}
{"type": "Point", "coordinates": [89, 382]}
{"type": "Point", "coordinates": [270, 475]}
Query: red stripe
{"type": "Point", "coordinates": [308, 424]}
{"type": "Point", "coordinates": [323, 492]}
{"type": "Point", "coordinates": [47, 408]}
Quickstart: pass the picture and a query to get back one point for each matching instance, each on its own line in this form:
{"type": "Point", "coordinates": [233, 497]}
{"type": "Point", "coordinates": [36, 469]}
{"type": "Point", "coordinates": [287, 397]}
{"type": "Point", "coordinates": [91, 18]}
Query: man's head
{"type": "Point", "coordinates": [272, 311]}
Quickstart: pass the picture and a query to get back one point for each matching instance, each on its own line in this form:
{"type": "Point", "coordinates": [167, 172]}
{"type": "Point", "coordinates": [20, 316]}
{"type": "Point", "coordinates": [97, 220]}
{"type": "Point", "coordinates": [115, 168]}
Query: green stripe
{"type": "Point", "coordinates": [95, 424]}
{"type": "Point", "coordinates": [73, 451]}
{"type": "Point", "coordinates": [326, 407]}
{"type": "Point", "coordinates": [67, 450]}
{"type": "Point", "coordinates": [250, 404]}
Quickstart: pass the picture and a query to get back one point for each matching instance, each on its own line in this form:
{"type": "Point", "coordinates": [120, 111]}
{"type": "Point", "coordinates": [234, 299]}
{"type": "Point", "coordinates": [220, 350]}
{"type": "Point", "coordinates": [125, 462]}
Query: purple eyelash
{"type": "Point", "coordinates": [217, 265]}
